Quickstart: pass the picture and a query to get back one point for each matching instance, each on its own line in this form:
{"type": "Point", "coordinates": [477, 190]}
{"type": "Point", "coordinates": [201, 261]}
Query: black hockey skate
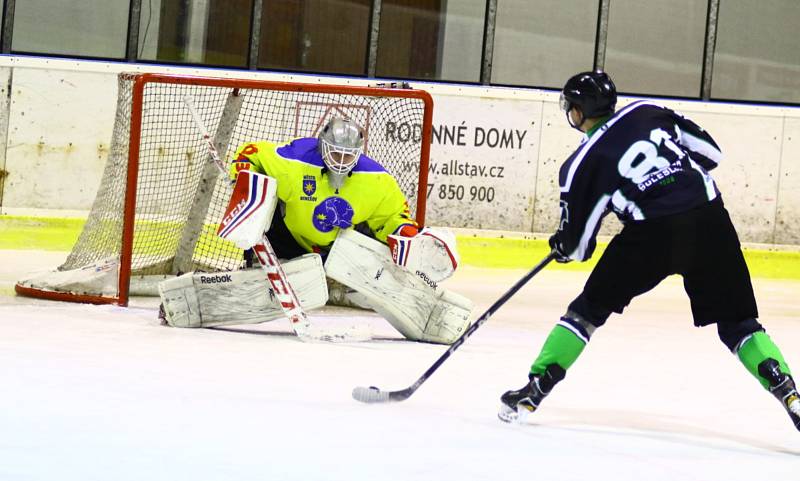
{"type": "Point", "coordinates": [516, 405]}
{"type": "Point", "coordinates": [783, 388]}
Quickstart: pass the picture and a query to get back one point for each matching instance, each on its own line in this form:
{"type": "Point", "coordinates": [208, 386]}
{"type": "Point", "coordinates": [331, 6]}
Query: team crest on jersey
{"type": "Point", "coordinates": [309, 187]}
{"type": "Point", "coordinates": [332, 212]}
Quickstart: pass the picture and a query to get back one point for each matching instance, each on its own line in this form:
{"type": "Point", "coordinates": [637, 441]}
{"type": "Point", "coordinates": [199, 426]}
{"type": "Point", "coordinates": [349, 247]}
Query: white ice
{"type": "Point", "coordinates": [106, 393]}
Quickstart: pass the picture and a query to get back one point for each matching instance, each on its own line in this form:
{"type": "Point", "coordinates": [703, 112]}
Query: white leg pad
{"type": "Point", "coordinates": [239, 297]}
{"type": "Point", "coordinates": [341, 295]}
{"type": "Point", "coordinates": [449, 319]}
{"type": "Point", "coordinates": [420, 311]}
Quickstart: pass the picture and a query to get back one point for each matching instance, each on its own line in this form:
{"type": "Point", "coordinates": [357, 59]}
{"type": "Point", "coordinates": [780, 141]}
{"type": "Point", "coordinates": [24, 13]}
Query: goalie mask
{"type": "Point", "coordinates": [341, 143]}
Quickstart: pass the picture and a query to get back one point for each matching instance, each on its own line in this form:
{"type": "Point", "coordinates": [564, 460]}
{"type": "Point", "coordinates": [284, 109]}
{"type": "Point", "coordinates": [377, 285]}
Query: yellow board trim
{"type": "Point", "coordinates": [59, 234]}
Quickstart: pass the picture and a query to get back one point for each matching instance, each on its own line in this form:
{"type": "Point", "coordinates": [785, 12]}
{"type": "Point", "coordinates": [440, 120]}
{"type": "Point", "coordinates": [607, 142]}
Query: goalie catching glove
{"type": "Point", "coordinates": [431, 254]}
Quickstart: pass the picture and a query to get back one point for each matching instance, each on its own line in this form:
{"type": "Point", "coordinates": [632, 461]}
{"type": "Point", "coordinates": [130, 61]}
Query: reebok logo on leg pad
{"type": "Point", "coordinates": [215, 279]}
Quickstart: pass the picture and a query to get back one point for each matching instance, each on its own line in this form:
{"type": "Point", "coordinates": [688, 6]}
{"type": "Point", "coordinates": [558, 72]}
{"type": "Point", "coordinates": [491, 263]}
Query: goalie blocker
{"type": "Point", "coordinates": [250, 209]}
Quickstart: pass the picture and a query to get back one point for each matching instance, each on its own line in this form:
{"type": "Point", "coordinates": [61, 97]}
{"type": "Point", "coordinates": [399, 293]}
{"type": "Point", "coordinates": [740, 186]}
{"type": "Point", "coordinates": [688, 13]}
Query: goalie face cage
{"type": "Point", "coordinates": [161, 198]}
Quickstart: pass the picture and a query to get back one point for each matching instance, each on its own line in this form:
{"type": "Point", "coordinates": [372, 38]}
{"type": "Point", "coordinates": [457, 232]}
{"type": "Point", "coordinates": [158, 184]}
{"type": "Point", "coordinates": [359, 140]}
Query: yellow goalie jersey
{"type": "Point", "coordinates": [315, 210]}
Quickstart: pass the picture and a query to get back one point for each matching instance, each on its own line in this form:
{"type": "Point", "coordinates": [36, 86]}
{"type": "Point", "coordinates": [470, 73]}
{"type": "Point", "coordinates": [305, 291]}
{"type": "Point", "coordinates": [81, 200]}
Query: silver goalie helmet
{"type": "Point", "coordinates": [341, 143]}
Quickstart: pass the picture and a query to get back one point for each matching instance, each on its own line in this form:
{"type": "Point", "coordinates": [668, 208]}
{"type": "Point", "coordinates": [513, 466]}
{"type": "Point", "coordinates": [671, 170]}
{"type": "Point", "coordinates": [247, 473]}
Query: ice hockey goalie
{"type": "Point", "coordinates": [331, 213]}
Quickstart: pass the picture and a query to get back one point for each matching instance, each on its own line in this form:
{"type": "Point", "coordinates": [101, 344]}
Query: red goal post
{"type": "Point", "coordinates": [161, 198]}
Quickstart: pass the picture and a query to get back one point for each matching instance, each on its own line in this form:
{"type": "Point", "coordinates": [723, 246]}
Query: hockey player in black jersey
{"type": "Point", "coordinates": [649, 165]}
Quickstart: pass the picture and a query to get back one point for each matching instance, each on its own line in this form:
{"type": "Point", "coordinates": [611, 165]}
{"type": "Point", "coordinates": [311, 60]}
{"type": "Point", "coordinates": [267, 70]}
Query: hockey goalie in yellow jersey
{"type": "Point", "coordinates": [341, 226]}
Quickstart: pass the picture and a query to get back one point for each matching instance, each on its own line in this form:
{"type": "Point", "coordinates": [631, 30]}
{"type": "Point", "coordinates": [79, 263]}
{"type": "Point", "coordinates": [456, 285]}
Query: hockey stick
{"type": "Point", "coordinates": [263, 250]}
{"type": "Point", "coordinates": [374, 395]}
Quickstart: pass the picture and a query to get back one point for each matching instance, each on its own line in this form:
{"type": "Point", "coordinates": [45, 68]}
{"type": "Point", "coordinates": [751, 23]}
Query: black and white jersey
{"type": "Point", "coordinates": [645, 162]}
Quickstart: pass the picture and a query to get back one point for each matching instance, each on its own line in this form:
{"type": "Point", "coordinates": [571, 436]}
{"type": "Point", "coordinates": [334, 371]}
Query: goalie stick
{"type": "Point", "coordinates": [374, 395]}
{"type": "Point", "coordinates": [263, 250]}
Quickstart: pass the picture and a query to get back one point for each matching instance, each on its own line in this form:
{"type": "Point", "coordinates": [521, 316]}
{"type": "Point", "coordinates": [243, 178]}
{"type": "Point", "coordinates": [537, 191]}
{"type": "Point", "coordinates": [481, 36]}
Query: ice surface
{"type": "Point", "coordinates": [106, 393]}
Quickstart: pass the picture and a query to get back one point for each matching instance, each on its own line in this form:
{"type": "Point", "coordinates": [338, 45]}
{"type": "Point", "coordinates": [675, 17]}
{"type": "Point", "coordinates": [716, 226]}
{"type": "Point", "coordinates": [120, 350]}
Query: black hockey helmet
{"type": "Point", "coordinates": [593, 92]}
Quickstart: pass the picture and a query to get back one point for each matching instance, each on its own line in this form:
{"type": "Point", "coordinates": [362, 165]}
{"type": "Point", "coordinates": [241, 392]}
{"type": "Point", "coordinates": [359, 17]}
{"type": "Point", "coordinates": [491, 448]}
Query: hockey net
{"type": "Point", "coordinates": [161, 198]}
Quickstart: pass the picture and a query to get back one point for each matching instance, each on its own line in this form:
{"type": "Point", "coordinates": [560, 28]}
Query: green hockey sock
{"type": "Point", "coordinates": [757, 349]}
{"type": "Point", "coordinates": [561, 347]}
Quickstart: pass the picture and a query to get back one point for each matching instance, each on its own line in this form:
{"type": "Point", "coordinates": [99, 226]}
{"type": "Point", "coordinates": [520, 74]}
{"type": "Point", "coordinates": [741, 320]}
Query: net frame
{"type": "Point", "coordinates": [130, 137]}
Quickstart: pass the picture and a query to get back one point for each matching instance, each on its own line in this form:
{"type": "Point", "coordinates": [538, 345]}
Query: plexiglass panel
{"type": "Point", "coordinates": [89, 28]}
{"type": "Point", "coordinates": [543, 42]}
{"type": "Point", "coordinates": [328, 36]}
{"type": "Point", "coordinates": [431, 39]}
{"type": "Point", "coordinates": [656, 47]}
{"type": "Point", "coordinates": [211, 32]}
{"type": "Point", "coordinates": [758, 55]}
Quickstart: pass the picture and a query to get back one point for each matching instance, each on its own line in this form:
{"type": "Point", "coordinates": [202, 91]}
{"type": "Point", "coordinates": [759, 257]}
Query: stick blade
{"type": "Point", "coordinates": [370, 395]}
